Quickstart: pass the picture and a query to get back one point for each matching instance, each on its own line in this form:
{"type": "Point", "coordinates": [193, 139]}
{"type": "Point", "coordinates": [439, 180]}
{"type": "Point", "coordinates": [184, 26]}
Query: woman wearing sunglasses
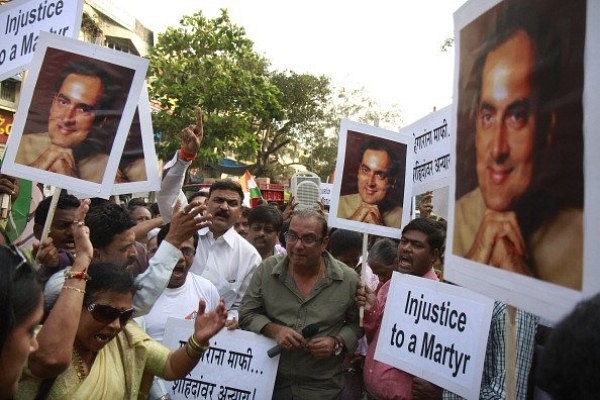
{"type": "Point", "coordinates": [21, 303]}
{"type": "Point", "coordinates": [112, 358]}
{"type": "Point", "coordinates": [89, 348]}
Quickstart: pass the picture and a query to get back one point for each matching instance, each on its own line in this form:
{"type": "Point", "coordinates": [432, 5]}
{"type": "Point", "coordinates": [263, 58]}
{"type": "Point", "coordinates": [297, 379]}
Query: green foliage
{"type": "Point", "coordinates": [210, 63]}
{"type": "Point", "coordinates": [304, 99]}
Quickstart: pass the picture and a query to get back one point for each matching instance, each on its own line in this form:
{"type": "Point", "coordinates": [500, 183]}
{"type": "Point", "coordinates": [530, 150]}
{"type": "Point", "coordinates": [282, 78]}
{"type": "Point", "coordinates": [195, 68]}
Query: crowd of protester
{"type": "Point", "coordinates": [68, 304]}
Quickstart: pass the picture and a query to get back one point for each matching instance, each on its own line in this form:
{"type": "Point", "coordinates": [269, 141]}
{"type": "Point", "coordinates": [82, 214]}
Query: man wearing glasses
{"type": "Point", "coordinates": [305, 288]}
{"type": "Point", "coordinates": [82, 92]}
{"type": "Point", "coordinates": [376, 175]}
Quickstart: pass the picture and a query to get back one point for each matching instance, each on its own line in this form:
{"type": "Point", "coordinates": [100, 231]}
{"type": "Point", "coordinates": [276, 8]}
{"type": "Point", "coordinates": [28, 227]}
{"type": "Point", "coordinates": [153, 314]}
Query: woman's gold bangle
{"type": "Point", "coordinates": [197, 347]}
{"type": "Point", "coordinates": [188, 348]}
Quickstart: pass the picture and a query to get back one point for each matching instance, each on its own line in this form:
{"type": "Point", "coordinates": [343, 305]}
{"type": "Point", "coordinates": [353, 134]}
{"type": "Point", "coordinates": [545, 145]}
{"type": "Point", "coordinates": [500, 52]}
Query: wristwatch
{"type": "Point", "coordinates": [338, 346]}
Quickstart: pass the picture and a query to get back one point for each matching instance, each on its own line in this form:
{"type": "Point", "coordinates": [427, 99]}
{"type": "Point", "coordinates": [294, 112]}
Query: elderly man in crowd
{"type": "Point", "coordinates": [306, 291]}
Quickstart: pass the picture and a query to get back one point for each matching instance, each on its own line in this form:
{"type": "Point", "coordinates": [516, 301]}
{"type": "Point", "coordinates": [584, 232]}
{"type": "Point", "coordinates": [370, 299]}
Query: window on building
{"type": "Point", "coordinates": [8, 90]}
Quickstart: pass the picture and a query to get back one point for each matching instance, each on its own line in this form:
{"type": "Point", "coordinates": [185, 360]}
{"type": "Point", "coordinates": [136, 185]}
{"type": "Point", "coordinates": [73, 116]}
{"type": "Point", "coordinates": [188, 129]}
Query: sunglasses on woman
{"type": "Point", "coordinates": [106, 314]}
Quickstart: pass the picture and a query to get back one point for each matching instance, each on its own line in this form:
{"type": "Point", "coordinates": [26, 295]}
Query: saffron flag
{"type": "Point", "coordinates": [250, 186]}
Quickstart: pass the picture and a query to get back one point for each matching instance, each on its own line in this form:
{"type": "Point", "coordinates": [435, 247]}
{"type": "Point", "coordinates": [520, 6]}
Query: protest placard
{"type": "Point", "coordinates": [326, 193]}
{"type": "Point", "coordinates": [20, 24]}
{"type": "Point", "coordinates": [236, 366]}
{"type": "Point", "coordinates": [138, 167]}
{"type": "Point", "coordinates": [435, 331]}
{"type": "Point", "coordinates": [520, 202]}
{"type": "Point", "coordinates": [373, 180]}
{"type": "Point", "coordinates": [74, 115]}
{"type": "Point", "coordinates": [431, 151]}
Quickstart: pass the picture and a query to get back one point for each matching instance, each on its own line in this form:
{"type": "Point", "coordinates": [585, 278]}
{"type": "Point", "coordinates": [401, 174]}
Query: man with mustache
{"type": "Point", "coordinates": [222, 256]}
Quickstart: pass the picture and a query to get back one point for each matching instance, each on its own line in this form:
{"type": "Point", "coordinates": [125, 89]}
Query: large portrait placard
{"type": "Point", "coordinates": [74, 114]}
{"type": "Point", "coordinates": [524, 182]}
{"type": "Point", "coordinates": [373, 180]}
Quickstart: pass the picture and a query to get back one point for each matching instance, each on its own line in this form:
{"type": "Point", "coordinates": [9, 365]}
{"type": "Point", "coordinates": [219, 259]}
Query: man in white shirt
{"type": "Point", "coordinates": [183, 292]}
{"type": "Point", "coordinates": [222, 255]}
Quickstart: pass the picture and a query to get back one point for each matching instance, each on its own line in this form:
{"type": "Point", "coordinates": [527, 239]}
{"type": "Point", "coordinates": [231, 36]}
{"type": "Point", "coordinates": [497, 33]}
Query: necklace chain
{"type": "Point", "coordinates": [320, 274]}
{"type": "Point", "coordinates": [79, 365]}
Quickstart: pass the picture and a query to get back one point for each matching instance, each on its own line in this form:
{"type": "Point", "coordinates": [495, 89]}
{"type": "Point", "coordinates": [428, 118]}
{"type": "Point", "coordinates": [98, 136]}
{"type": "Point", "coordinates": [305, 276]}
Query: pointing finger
{"type": "Point", "coordinates": [199, 130]}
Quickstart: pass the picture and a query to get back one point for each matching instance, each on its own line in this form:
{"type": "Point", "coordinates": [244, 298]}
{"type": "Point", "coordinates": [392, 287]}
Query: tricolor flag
{"type": "Point", "coordinates": [250, 186]}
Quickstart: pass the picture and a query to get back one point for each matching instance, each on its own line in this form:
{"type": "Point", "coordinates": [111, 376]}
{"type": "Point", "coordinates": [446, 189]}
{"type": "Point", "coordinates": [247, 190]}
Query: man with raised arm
{"type": "Point", "coordinates": [222, 255]}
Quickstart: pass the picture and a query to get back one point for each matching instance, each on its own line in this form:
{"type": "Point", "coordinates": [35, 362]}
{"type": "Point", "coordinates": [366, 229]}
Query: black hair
{"type": "Point", "coordinates": [382, 146]}
{"type": "Point", "coordinates": [284, 228]}
{"type": "Point", "coordinates": [165, 229]}
{"type": "Point", "coordinates": [546, 72]}
{"type": "Point", "coordinates": [568, 367]}
{"type": "Point", "coordinates": [435, 232]}
{"type": "Point", "coordinates": [107, 277]}
{"type": "Point", "coordinates": [342, 240]}
{"type": "Point", "coordinates": [154, 209]}
{"type": "Point", "coordinates": [105, 221]}
{"type": "Point", "coordinates": [226, 184]}
{"type": "Point", "coordinates": [20, 292]}
{"type": "Point", "coordinates": [88, 68]}
{"type": "Point", "coordinates": [245, 212]}
{"type": "Point", "coordinates": [66, 201]}
{"type": "Point", "coordinates": [192, 196]}
{"type": "Point", "coordinates": [266, 214]}
{"type": "Point", "coordinates": [136, 202]}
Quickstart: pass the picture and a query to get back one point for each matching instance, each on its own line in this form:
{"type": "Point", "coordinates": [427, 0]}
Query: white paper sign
{"type": "Point", "coordinates": [21, 22]}
{"type": "Point", "coordinates": [431, 151]}
{"type": "Point", "coordinates": [142, 137]}
{"type": "Point", "coordinates": [326, 189]}
{"type": "Point", "coordinates": [437, 332]}
{"type": "Point", "coordinates": [555, 203]}
{"type": "Point", "coordinates": [235, 367]}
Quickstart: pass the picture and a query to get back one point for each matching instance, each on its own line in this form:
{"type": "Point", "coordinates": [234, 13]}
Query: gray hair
{"type": "Point", "coordinates": [308, 213]}
{"type": "Point", "coordinates": [384, 251]}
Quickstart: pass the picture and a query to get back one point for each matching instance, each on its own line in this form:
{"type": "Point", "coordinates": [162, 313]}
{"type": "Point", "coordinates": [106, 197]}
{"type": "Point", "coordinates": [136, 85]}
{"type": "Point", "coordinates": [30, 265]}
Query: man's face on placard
{"type": "Point", "coordinates": [506, 123]}
{"type": "Point", "coordinates": [73, 110]}
{"type": "Point", "coordinates": [373, 176]}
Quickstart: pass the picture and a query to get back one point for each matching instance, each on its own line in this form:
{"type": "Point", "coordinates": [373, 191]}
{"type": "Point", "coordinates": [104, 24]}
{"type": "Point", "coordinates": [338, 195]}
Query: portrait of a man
{"type": "Point", "coordinates": [74, 136]}
{"type": "Point", "coordinates": [373, 181]}
{"type": "Point", "coordinates": [519, 170]}
{"type": "Point", "coordinates": [75, 110]}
